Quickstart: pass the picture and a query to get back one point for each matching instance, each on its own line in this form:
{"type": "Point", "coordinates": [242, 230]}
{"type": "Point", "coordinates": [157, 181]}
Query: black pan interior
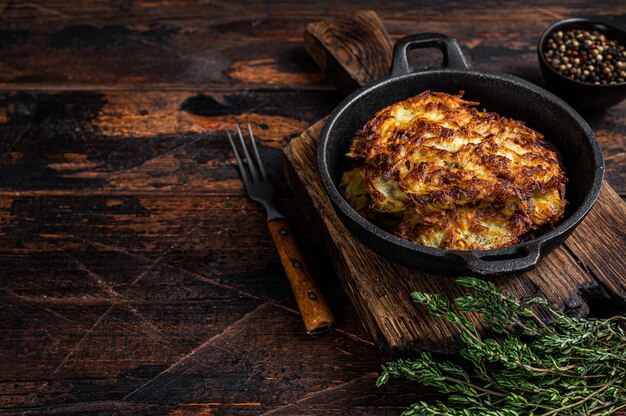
{"type": "Point", "coordinates": [505, 95]}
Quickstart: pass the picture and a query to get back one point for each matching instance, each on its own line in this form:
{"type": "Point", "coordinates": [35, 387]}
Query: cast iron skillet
{"type": "Point", "coordinates": [505, 94]}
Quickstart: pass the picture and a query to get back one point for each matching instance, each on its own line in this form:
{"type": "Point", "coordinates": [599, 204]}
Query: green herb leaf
{"type": "Point", "coordinates": [575, 366]}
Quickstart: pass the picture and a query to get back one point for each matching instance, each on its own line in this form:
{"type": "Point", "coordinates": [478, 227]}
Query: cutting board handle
{"type": "Point", "coordinates": [351, 50]}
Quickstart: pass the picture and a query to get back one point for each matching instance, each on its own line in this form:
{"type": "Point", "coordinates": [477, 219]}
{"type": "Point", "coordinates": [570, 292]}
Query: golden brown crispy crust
{"type": "Point", "coordinates": [460, 178]}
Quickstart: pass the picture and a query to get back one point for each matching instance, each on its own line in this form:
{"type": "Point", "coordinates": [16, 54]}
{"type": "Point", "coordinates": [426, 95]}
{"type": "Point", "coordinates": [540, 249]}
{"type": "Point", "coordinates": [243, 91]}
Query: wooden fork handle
{"type": "Point", "coordinates": [315, 312]}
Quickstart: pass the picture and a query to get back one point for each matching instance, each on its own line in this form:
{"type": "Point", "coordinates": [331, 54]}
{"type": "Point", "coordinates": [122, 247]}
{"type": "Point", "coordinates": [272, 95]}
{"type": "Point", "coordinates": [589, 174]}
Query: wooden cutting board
{"type": "Point", "coordinates": [353, 51]}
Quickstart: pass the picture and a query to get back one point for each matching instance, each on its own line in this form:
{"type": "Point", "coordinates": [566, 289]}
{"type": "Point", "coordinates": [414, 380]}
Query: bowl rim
{"type": "Point", "coordinates": [567, 224]}
{"type": "Point", "coordinates": [584, 21]}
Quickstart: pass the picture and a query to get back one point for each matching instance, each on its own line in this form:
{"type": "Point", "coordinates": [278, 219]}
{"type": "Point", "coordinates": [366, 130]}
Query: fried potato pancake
{"type": "Point", "coordinates": [452, 176]}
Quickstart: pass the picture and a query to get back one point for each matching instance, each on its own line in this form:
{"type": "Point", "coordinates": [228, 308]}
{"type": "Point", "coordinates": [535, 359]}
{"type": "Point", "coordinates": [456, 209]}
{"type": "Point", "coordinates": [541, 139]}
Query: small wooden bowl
{"type": "Point", "coordinates": [582, 95]}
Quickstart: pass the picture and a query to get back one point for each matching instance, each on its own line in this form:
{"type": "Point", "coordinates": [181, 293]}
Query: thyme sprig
{"type": "Point", "coordinates": [574, 366]}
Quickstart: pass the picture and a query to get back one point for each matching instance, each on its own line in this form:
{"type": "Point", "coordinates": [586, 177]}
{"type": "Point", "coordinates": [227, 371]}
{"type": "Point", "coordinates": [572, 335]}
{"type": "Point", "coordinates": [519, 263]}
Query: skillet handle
{"type": "Point", "coordinates": [515, 262]}
{"type": "Point", "coordinates": [453, 56]}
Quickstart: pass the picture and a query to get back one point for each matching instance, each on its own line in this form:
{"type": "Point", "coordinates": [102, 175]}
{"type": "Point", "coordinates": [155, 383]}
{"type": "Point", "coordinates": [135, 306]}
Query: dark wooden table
{"type": "Point", "coordinates": [135, 275]}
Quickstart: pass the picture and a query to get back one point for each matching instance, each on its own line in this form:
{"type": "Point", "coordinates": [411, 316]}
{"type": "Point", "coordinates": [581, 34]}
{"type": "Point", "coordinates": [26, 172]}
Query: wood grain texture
{"type": "Point", "coordinates": [226, 47]}
{"type": "Point", "coordinates": [127, 242]}
{"type": "Point", "coordinates": [380, 289]}
{"type": "Point", "coordinates": [246, 43]}
{"type": "Point", "coordinates": [340, 47]}
{"type": "Point", "coordinates": [599, 243]}
{"type": "Point", "coordinates": [313, 308]}
{"type": "Point", "coordinates": [137, 277]}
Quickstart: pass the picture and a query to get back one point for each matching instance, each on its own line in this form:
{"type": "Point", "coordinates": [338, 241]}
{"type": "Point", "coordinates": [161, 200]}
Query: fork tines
{"type": "Point", "coordinates": [252, 173]}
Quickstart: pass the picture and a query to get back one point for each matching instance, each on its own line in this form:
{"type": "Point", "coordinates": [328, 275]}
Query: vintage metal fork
{"type": "Point", "coordinates": [313, 308]}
